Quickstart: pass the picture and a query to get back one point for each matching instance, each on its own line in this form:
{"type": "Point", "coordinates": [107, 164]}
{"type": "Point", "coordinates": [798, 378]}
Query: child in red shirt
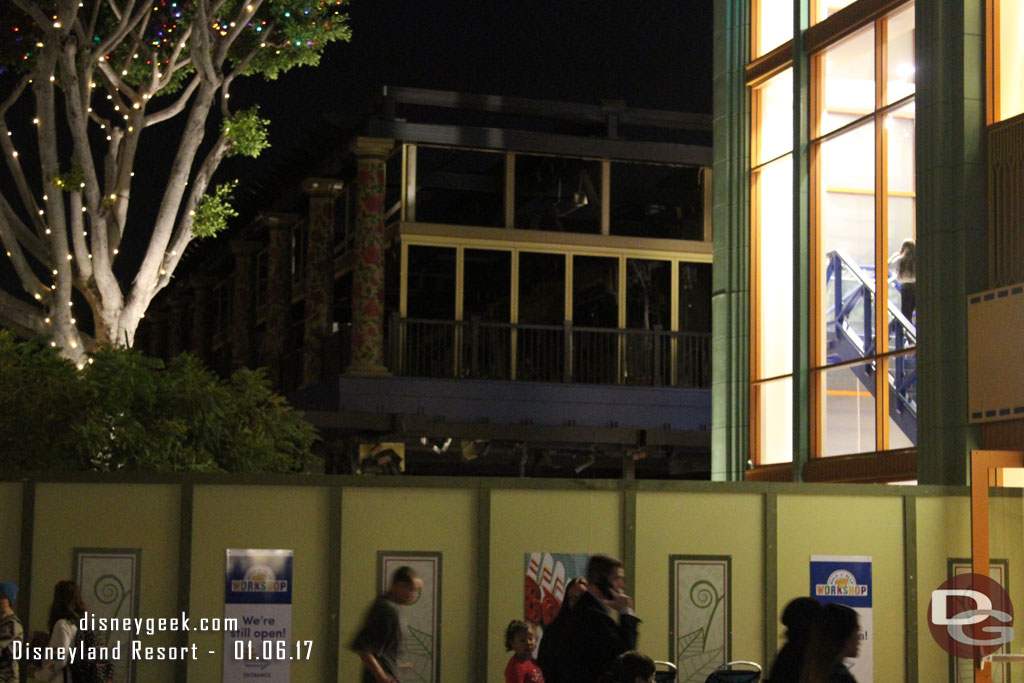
{"type": "Point", "coordinates": [520, 640]}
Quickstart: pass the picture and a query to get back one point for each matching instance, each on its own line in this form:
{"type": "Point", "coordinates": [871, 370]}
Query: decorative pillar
{"type": "Point", "coordinates": [202, 315]}
{"type": "Point", "coordinates": [368, 275]}
{"type": "Point", "coordinates": [730, 301]}
{"type": "Point", "coordinates": [243, 304]}
{"type": "Point", "coordinates": [319, 275]}
{"type": "Point", "coordinates": [279, 293]}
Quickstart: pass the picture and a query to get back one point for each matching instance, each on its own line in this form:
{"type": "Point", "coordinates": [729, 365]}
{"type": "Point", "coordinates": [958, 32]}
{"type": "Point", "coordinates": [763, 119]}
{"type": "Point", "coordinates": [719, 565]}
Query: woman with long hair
{"type": "Point", "coordinates": [835, 636]}
{"type": "Point", "coordinates": [905, 261]}
{"type": "Point", "coordinates": [797, 617]}
{"type": "Point", "coordinates": [66, 610]}
{"type": "Point", "coordinates": [552, 643]}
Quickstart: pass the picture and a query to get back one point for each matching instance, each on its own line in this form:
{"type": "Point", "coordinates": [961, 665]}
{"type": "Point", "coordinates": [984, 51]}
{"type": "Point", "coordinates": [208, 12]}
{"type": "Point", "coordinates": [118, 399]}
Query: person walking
{"type": "Point", "coordinates": [379, 642]}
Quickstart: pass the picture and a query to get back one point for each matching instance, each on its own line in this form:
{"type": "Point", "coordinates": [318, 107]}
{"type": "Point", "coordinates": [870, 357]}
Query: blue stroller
{"type": "Point", "coordinates": [736, 672]}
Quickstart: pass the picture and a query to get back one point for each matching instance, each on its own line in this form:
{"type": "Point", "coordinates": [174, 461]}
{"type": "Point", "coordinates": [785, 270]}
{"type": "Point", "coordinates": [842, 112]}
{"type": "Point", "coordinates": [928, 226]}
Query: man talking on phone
{"type": "Point", "coordinates": [602, 625]}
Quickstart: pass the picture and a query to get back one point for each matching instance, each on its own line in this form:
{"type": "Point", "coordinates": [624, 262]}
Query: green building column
{"type": "Point", "coordinates": [951, 251]}
{"type": "Point", "coordinates": [368, 276]}
{"type": "Point", "coordinates": [319, 275]}
{"type": "Point", "coordinates": [730, 298]}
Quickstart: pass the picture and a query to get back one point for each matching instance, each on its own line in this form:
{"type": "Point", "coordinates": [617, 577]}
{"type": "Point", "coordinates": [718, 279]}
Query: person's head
{"type": "Point", "coordinates": [406, 585]}
{"type": "Point", "coordinates": [8, 594]}
{"type": "Point", "coordinates": [67, 603]}
{"type": "Point", "coordinates": [798, 616]}
{"type": "Point", "coordinates": [633, 667]}
{"type": "Point", "coordinates": [908, 247]}
{"type": "Point", "coordinates": [519, 639]}
{"type": "Point", "coordinates": [835, 635]}
{"type": "Point", "coordinates": [574, 591]}
{"type": "Point", "coordinates": [605, 573]}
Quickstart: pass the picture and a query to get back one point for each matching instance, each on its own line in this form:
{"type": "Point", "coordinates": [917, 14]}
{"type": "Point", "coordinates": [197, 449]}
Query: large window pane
{"type": "Point", "coordinates": [486, 285]}
{"type": "Point", "coordinates": [900, 230]}
{"type": "Point", "coordinates": [847, 209]}
{"type": "Point", "coordinates": [541, 288]}
{"type": "Point", "coordinates": [648, 294]}
{"type": "Point", "coordinates": [431, 291]}
{"type": "Point", "coordinates": [774, 406]}
{"type": "Point", "coordinates": [774, 101]}
{"type": "Point", "coordinates": [1011, 58]}
{"type": "Point", "coordinates": [595, 291]}
{"type": "Point", "coordinates": [903, 401]}
{"type": "Point", "coordinates": [848, 422]}
{"type": "Point", "coordinates": [460, 187]}
{"type": "Point", "coordinates": [774, 25]}
{"type": "Point", "coordinates": [774, 314]}
{"type": "Point", "coordinates": [556, 193]}
{"type": "Point", "coordinates": [650, 200]}
{"type": "Point", "coordinates": [899, 68]}
{"type": "Point", "coordinates": [540, 351]}
{"type": "Point", "coordinates": [849, 81]}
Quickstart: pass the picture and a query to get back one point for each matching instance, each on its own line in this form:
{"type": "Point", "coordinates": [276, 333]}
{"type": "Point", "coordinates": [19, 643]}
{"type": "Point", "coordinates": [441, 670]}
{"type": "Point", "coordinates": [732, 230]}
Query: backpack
{"type": "Point", "coordinates": [89, 670]}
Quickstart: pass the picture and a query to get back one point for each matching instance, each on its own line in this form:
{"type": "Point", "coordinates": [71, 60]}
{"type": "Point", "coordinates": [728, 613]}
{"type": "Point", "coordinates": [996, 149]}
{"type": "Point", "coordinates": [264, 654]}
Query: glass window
{"type": "Point", "coordinates": [694, 297]}
{"type": "Point", "coordinates": [486, 285]}
{"type": "Point", "coordinates": [557, 193]}
{"type": "Point", "coordinates": [774, 417]}
{"type": "Point", "coordinates": [774, 21]}
{"type": "Point", "coordinates": [849, 81]}
{"type": "Point", "coordinates": [648, 294]}
{"type": "Point", "coordinates": [1010, 58]}
{"type": "Point", "coordinates": [595, 291]}
{"type": "Point", "coordinates": [460, 187]}
{"type": "Point", "coordinates": [774, 117]}
{"type": "Point", "coordinates": [431, 279]}
{"type": "Point", "coordinates": [899, 68]}
{"type": "Point", "coordinates": [773, 312]}
{"type": "Point", "coordinates": [541, 288]}
{"type": "Point", "coordinates": [848, 420]}
{"type": "Point", "coordinates": [649, 200]}
{"type": "Point", "coordinates": [823, 9]}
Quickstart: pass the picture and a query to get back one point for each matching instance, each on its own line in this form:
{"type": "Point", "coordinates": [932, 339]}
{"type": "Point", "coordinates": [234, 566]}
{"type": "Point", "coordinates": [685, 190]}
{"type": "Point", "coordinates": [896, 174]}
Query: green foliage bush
{"type": "Point", "coordinates": [127, 412]}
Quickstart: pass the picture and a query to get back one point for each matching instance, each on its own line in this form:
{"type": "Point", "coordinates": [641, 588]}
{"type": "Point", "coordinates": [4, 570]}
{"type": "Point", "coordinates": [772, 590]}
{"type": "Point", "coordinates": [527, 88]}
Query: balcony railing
{"type": "Point", "coordinates": [548, 353]}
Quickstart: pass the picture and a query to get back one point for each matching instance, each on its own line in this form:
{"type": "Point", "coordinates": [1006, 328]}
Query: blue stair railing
{"type": "Point", "coordinates": [851, 336]}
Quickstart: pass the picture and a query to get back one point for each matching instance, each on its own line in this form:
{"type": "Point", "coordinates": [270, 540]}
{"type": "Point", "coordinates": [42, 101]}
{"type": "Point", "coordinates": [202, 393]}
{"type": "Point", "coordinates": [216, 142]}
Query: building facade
{"type": "Point", "coordinates": [462, 275]}
{"type": "Point", "coordinates": [845, 133]}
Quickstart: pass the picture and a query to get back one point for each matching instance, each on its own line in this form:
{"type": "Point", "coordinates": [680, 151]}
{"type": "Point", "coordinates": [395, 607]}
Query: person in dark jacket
{"type": "Point", "coordinates": [835, 636]}
{"type": "Point", "coordinates": [594, 636]}
{"type": "Point", "coordinates": [551, 653]}
{"type": "Point", "coordinates": [797, 617]}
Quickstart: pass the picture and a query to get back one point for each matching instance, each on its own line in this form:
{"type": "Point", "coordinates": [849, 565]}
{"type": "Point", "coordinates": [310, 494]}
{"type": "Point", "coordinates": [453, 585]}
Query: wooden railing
{"type": "Point", "coordinates": [548, 353]}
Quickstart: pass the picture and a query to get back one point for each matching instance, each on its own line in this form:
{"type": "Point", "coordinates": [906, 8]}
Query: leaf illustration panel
{"type": "Point", "coordinates": [109, 579]}
{"type": "Point", "coordinates": [421, 620]}
{"type": "Point", "coordinates": [700, 607]}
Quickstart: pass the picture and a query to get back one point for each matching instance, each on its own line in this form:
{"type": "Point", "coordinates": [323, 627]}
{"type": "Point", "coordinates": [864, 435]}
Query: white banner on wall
{"type": "Point", "coordinates": [846, 579]}
{"type": "Point", "coordinates": [258, 594]}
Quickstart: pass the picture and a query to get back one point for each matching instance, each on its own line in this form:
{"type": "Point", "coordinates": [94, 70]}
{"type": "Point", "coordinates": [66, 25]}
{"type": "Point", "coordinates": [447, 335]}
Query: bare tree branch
{"type": "Point", "coordinates": [19, 315]}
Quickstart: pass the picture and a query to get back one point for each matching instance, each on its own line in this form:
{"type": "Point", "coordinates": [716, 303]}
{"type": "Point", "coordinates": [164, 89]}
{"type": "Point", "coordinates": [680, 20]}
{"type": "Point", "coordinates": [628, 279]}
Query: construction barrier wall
{"type": "Point", "coordinates": [484, 530]}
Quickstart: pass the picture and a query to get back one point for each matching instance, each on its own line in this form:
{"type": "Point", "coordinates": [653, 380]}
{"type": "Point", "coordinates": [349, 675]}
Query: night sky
{"type": "Point", "coordinates": [654, 54]}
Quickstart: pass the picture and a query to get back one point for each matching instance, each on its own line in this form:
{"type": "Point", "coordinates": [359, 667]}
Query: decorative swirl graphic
{"type": "Point", "coordinates": [108, 589]}
{"type": "Point", "coordinates": [703, 595]}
